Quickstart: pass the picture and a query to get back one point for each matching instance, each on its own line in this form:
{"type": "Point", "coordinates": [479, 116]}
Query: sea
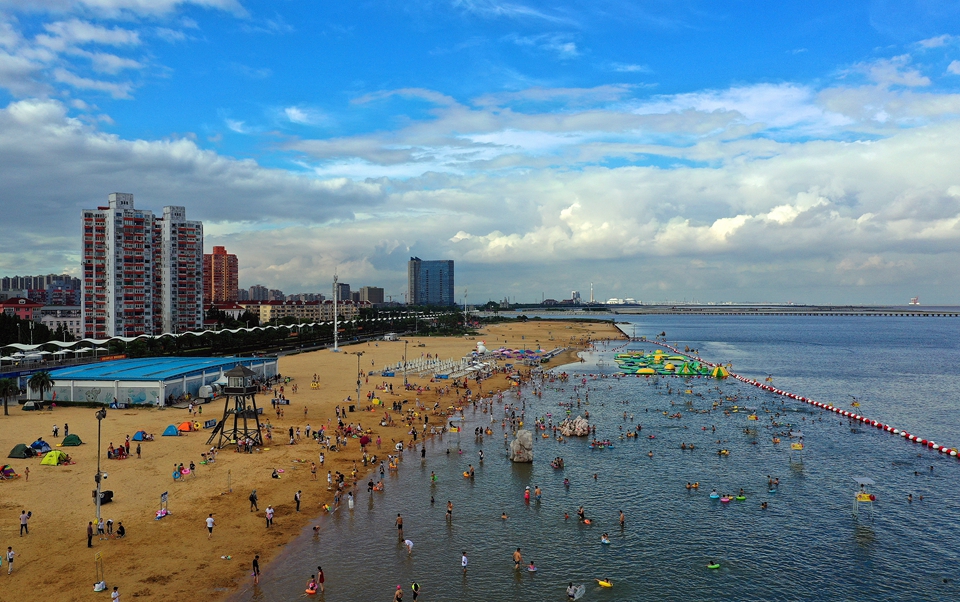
{"type": "Point", "coordinates": [807, 544]}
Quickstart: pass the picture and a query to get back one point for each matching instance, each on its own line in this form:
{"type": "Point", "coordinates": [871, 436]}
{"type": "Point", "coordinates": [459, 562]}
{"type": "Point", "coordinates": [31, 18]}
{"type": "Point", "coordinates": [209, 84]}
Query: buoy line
{"type": "Point", "coordinates": [943, 449]}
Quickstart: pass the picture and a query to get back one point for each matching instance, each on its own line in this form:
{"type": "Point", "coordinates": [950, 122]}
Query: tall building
{"type": "Point", "coordinates": [220, 276]}
{"type": "Point", "coordinates": [181, 271]}
{"type": "Point", "coordinates": [371, 294]}
{"type": "Point", "coordinates": [142, 274]}
{"type": "Point", "coordinates": [430, 282]}
{"type": "Point", "coordinates": [343, 291]}
{"type": "Point", "coordinates": [258, 292]}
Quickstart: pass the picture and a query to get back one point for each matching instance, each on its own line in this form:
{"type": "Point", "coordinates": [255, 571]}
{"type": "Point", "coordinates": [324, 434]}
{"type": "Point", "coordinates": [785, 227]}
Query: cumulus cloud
{"type": "Point", "coordinates": [954, 67]}
{"type": "Point", "coordinates": [894, 71]}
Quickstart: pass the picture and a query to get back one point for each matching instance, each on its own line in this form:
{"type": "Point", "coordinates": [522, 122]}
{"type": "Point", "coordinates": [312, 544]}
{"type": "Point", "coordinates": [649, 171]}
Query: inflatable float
{"type": "Point", "coordinates": [603, 583]}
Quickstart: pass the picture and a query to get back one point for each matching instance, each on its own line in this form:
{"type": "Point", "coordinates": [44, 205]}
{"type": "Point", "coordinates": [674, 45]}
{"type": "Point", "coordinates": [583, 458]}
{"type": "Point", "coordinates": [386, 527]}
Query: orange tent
{"type": "Point", "coordinates": [185, 426]}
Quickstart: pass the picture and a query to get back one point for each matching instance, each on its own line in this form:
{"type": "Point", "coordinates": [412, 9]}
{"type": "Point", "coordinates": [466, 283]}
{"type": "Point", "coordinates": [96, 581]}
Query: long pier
{"type": "Point", "coordinates": [790, 310]}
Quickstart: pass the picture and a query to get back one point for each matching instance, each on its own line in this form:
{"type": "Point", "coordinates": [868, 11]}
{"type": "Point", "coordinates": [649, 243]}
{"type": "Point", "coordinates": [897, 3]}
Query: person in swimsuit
{"type": "Point", "coordinates": [399, 526]}
{"type": "Point", "coordinates": [398, 595]}
{"type": "Point", "coordinates": [312, 584]}
{"type": "Point", "coordinates": [449, 510]}
{"type": "Point", "coordinates": [517, 559]}
{"type": "Point", "coordinates": [320, 578]}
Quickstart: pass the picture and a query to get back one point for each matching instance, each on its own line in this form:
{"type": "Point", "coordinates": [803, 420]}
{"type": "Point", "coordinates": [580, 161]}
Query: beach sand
{"type": "Point", "coordinates": [172, 558]}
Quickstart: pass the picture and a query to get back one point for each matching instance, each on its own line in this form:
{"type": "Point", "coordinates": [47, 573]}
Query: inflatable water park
{"type": "Point", "coordinates": [660, 363]}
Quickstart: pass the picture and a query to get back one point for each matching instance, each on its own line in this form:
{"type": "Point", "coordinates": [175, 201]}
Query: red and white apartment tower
{"type": "Point", "coordinates": [142, 274]}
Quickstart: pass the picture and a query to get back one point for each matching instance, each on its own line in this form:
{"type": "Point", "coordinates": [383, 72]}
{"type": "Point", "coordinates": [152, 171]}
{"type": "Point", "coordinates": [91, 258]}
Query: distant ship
{"type": "Point", "coordinates": [915, 301]}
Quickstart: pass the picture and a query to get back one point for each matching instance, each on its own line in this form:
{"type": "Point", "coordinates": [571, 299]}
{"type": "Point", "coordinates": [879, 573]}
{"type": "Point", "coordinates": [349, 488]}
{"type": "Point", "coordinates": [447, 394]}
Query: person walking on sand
{"type": "Point", "coordinates": [253, 501]}
{"type": "Point", "coordinates": [269, 515]}
{"type": "Point", "coordinates": [90, 534]}
{"type": "Point", "coordinates": [210, 523]}
{"type": "Point", "coordinates": [10, 555]}
{"type": "Point", "coordinates": [256, 569]}
{"type": "Point", "coordinates": [296, 498]}
{"type": "Point", "coordinates": [115, 594]}
{"type": "Point", "coordinates": [24, 517]}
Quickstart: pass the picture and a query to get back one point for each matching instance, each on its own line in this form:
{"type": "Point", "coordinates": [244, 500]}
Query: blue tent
{"type": "Point", "coordinates": [139, 435]}
{"type": "Point", "coordinates": [171, 431]}
{"type": "Point", "coordinates": [41, 447]}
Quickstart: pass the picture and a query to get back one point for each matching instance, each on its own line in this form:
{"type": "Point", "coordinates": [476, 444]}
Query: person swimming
{"type": "Point", "coordinates": [503, 516]}
{"type": "Point", "coordinates": [604, 538]}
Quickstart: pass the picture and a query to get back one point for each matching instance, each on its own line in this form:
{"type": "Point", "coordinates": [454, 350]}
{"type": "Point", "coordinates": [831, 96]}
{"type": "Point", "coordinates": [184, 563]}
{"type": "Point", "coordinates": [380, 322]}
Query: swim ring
{"type": "Point", "coordinates": [741, 497]}
{"type": "Point", "coordinates": [603, 583]}
{"type": "Point", "coordinates": [713, 566]}
{"type": "Point", "coordinates": [310, 592]}
{"type": "Point", "coordinates": [715, 496]}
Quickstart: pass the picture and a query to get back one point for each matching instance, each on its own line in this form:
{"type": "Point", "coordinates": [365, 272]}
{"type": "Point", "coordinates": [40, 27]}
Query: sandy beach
{"type": "Point", "coordinates": [173, 558]}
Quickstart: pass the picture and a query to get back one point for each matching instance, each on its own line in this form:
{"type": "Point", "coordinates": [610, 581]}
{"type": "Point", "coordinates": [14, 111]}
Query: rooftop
{"type": "Point", "coordinates": [152, 368]}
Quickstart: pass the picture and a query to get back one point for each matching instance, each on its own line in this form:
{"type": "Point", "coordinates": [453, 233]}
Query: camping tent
{"type": "Point", "coordinates": [140, 436]}
{"type": "Point", "coordinates": [171, 431]}
{"type": "Point", "coordinates": [71, 441]}
{"type": "Point", "coordinates": [29, 406]}
{"type": "Point", "coordinates": [40, 446]}
{"type": "Point", "coordinates": [185, 426]}
{"type": "Point", "coordinates": [8, 472]}
{"type": "Point", "coordinates": [54, 458]}
{"type": "Point", "coordinates": [20, 450]}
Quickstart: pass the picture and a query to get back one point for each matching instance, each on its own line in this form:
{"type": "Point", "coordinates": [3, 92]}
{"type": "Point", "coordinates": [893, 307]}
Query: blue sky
{"type": "Point", "coordinates": [670, 150]}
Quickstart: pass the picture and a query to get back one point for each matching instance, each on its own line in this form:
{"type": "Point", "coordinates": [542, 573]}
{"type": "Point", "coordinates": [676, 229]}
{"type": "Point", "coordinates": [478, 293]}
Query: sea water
{"type": "Point", "coordinates": [807, 545]}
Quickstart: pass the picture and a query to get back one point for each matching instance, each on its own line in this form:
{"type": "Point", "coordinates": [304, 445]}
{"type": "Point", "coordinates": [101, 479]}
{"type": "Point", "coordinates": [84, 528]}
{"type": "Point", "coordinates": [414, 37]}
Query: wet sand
{"type": "Point", "coordinates": [172, 557]}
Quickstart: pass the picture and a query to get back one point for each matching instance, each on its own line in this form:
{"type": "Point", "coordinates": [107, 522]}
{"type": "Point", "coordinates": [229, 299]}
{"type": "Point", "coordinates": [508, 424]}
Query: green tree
{"type": "Point", "coordinates": [8, 389]}
{"type": "Point", "coordinates": [42, 382]}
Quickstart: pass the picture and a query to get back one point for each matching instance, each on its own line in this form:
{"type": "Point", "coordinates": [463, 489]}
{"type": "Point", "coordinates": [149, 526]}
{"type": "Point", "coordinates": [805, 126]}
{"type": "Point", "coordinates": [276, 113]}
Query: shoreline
{"type": "Point", "coordinates": [172, 557]}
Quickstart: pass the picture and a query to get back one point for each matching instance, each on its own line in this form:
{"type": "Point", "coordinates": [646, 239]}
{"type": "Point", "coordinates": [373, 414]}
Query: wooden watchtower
{"type": "Point", "coordinates": [243, 410]}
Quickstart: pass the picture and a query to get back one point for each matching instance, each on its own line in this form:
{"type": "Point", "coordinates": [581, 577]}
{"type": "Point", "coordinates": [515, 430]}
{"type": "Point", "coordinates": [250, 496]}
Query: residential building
{"type": "Point", "coordinates": [243, 294]}
{"type": "Point", "coordinates": [259, 293]}
{"type": "Point", "coordinates": [25, 309]}
{"type": "Point", "coordinates": [304, 311]}
{"type": "Point", "coordinates": [181, 272]}
{"type": "Point", "coordinates": [371, 294]}
{"type": "Point", "coordinates": [70, 317]}
{"type": "Point", "coordinates": [430, 282]}
{"type": "Point", "coordinates": [220, 276]}
{"type": "Point", "coordinates": [343, 291]}
{"type": "Point", "coordinates": [142, 274]}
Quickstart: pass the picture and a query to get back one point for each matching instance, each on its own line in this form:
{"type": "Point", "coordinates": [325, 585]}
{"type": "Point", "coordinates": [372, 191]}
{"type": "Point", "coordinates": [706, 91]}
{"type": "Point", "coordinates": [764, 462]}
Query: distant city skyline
{"type": "Point", "coordinates": [663, 151]}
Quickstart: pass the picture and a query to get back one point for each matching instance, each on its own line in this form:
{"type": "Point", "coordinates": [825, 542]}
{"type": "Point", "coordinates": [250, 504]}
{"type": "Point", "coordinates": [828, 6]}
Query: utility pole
{"type": "Point", "coordinates": [336, 334]}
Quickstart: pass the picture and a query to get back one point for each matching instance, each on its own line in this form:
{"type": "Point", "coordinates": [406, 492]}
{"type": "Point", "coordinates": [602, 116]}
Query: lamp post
{"type": "Point", "coordinates": [358, 354]}
{"type": "Point", "coordinates": [101, 414]}
{"type": "Point", "coordinates": [405, 363]}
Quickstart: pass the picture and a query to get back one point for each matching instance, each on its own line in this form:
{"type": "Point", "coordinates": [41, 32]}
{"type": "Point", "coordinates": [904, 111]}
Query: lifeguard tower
{"type": "Point", "coordinates": [863, 498]}
{"type": "Point", "coordinates": [243, 410]}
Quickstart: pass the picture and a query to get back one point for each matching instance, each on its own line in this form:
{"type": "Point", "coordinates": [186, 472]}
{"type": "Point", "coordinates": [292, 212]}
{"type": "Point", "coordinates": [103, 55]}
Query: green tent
{"type": "Point", "coordinates": [21, 450]}
{"type": "Point", "coordinates": [71, 441]}
{"type": "Point", "coordinates": [54, 458]}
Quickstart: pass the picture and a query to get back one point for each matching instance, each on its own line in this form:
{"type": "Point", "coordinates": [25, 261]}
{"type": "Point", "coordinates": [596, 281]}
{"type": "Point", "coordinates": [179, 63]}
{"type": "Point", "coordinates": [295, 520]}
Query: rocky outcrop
{"type": "Point", "coordinates": [521, 449]}
{"type": "Point", "coordinates": [576, 427]}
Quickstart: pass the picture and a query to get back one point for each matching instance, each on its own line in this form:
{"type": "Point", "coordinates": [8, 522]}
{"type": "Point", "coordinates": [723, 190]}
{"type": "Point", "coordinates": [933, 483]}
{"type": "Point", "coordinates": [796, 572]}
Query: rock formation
{"type": "Point", "coordinates": [521, 449]}
{"type": "Point", "coordinates": [577, 427]}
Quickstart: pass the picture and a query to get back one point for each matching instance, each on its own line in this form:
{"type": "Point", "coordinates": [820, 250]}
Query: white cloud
{"type": "Point", "coordinates": [938, 41]}
{"type": "Point", "coordinates": [630, 68]}
{"type": "Point", "coordinates": [954, 67]}
{"type": "Point", "coordinates": [557, 44]}
{"type": "Point", "coordinates": [114, 89]}
{"type": "Point", "coordinates": [75, 32]}
{"type": "Point", "coordinates": [893, 72]}
{"type": "Point", "coordinates": [304, 115]}
{"type": "Point", "coordinates": [237, 126]}
{"type": "Point", "coordinates": [120, 8]}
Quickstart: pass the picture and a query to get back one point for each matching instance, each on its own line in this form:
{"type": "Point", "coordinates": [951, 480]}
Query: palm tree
{"type": "Point", "coordinates": [41, 382]}
{"type": "Point", "coordinates": [8, 389]}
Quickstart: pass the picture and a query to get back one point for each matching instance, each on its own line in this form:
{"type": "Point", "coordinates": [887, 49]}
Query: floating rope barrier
{"type": "Point", "coordinates": [943, 449]}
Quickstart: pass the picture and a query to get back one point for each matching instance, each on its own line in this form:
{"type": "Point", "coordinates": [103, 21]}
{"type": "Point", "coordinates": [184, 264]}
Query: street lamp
{"type": "Point", "coordinates": [405, 363]}
{"type": "Point", "coordinates": [101, 414]}
{"type": "Point", "coordinates": [358, 354]}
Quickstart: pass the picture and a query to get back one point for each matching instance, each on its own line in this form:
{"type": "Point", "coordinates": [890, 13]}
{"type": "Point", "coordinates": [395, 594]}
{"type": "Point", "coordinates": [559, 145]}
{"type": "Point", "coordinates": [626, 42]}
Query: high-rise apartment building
{"type": "Point", "coordinates": [181, 271]}
{"type": "Point", "coordinates": [371, 294]}
{"type": "Point", "coordinates": [343, 291]}
{"type": "Point", "coordinates": [142, 274]}
{"type": "Point", "coordinates": [258, 292]}
{"type": "Point", "coordinates": [220, 276]}
{"type": "Point", "coordinates": [430, 282]}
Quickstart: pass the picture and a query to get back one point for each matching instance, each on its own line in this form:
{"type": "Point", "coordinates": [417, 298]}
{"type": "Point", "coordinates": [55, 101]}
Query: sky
{"type": "Point", "coordinates": [664, 150]}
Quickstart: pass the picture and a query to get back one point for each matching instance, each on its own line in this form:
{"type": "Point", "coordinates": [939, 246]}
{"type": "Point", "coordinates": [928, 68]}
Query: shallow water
{"type": "Point", "coordinates": [806, 546]}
